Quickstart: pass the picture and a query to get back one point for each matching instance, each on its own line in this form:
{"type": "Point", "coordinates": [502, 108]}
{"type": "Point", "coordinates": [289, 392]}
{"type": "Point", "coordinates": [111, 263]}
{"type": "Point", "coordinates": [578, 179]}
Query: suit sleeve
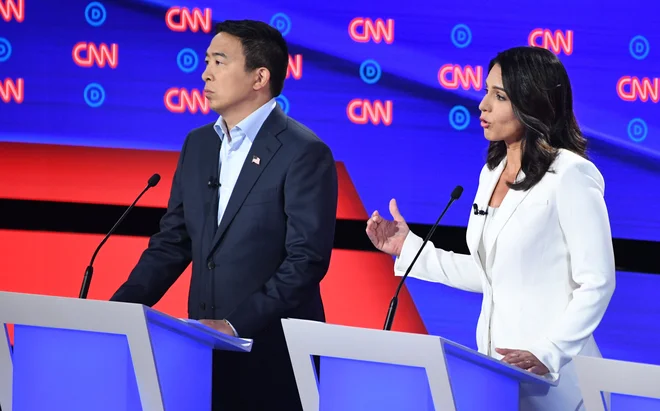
{"type": "Point", "coordinates": [310, 205]}
{"type": "Point", "coordinates": [584, 221]}
{"type": "Point", "coordinates": [440, 266]}
{"type": "Point", "coordinates": [168, 254]}
{"type": "Point", "coordinates": [437, 265]}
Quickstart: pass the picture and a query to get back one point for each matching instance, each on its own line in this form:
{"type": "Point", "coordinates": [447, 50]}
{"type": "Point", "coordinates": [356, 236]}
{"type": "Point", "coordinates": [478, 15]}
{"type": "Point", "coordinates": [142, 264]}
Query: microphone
{"type": "Point", "coordinates": [477, 211]}
{"type": "Point", "coordinates": [455, 195]}
{"type": "Point", "coordinates": [87, 279]}
{"type": "Point", "coordinates": [213, 182]}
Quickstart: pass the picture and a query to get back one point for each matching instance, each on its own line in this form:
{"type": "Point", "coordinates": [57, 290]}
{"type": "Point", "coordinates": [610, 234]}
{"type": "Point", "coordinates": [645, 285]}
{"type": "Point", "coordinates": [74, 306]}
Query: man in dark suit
{"type": "Point", "coordinates": [253, 206]}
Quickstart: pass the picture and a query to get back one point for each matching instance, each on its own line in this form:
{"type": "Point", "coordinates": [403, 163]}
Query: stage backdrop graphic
{"type": "Point", "coordinates": [393, 91]}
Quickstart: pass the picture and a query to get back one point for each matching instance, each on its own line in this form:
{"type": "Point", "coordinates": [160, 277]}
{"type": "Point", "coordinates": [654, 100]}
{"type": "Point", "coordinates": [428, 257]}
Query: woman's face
{"type": "Point", "coordinates": [497, 117]}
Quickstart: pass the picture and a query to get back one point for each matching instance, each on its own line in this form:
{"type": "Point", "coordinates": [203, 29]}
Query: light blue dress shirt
{"type": "Point", "coordinates": [234, 150]}
{"type": "Point", "coordinates": [235, 146]}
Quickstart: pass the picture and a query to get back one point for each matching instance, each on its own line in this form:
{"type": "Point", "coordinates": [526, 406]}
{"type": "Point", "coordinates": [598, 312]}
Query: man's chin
{"type": "Point", "coordinates": [216, 108]}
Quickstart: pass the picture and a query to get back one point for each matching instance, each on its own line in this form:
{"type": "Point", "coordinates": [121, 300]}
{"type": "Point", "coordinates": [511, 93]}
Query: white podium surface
{"type": "Point", "coordinates": [64, 347]}
{"type": "Point", "coordinates": [373, 369]}
{"type": "Point", "coordinates": [632, 386]}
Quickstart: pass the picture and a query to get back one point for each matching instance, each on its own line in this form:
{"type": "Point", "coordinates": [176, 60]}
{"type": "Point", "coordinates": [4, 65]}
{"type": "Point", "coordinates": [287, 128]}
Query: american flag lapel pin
{"type": "Point", "coordinates": [256, 160]}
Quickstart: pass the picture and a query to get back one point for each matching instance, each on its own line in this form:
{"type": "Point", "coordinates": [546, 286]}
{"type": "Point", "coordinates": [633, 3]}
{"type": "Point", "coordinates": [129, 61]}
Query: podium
{"type": "Point", "coordinates": [630, 385]}
{"type": "Point", "coordinates": [73, 354]}
{"type": "Point", "coordinates": [367, 369]}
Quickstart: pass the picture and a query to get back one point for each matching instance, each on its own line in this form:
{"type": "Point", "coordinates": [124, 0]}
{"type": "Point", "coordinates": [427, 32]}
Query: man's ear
{"type": "Point", "coordinates": [262, 78]}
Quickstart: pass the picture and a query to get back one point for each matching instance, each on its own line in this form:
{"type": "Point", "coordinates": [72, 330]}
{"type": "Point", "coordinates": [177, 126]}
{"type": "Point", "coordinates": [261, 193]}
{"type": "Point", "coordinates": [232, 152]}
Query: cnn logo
{"type": "Point", "coordinates": [12, 91]}
{"type": "Point", "coordinates": [361, 111]}
{"type": "Point", "coordinates": [631, 88]}
{"type": "Point", "coordinates": [12, 10]}
{"type": "Point", "coordinates": [295, 67]}
{"type": "Point", "coordinates": [453, 76]}
{"type": "Point", "coordinates": [89, 54]}
{"type": "Point", "coordinates": [181, 19]}
{"type": "Point", "coordinates": [364, 30]}
{"type": "Point", "coordinates": [557, 42]}
{"type": "Point", "coordinates": [180, 100]}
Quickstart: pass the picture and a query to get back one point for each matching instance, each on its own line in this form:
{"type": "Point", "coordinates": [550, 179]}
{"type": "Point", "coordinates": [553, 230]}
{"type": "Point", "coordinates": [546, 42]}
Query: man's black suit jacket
{"type": "Point", "coordinates": [263, 262]}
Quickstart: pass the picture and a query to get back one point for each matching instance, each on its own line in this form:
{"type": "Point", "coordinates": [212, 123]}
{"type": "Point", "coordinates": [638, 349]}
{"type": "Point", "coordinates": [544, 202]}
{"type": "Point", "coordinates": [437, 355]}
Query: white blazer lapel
{"type": "Point", "coordinates": [510, 203]}
{"type": "Point", "coordinates": [482, 199]}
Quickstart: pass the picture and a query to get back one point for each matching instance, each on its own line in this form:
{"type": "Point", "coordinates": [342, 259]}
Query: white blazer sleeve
{"type": "Point", "coordinates": [584, 221]}
{"type": "Point", "coordinates": [439, 266]}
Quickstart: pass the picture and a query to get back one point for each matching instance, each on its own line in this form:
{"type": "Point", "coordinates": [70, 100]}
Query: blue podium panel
{"type": "Point", "coordinates": [354, 385]}
{"type": "Point", "coordinates": [101, 352]}
{"type": "Point", "coordinates": [476, 387]}
{"type": "Point", "coordinates": [58, 369]}
{"type": "Point", "coordinates": [622, 402]}
{"type": "Point", "coordinates": [184, 369]}
{"type": "Point", "coordinates": [368, 369]}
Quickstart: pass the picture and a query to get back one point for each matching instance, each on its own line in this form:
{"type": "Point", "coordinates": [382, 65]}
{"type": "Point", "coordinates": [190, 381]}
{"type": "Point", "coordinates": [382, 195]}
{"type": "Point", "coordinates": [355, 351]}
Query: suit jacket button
{"type": "Point", "coordinates": [202, 306]}
{"type": "Point", "coordinates": [211, 265]}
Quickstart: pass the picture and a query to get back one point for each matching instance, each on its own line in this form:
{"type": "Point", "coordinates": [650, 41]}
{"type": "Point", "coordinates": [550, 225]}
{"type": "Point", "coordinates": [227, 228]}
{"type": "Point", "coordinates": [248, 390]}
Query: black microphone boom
{"type": "Point", "coordinates": [87, 279]}
{"type": "Point", "coordinates": [455, 195]}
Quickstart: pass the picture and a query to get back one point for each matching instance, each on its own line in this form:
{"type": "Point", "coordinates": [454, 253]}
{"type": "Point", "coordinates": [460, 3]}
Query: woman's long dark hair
{"type": "Point", "coordinates": [540, 92]}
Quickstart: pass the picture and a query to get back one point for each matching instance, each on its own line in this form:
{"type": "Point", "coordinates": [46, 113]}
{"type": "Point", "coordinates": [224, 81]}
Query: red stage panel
{"type": "Point", "coordinates": [108, 176]}
{"type": "Point", "coordinates": [356, 291]}
{"type": "Point", "coordinates": [359, 285]}
{"type": "Point", "coordinates": [54, 264]}
{"type": "Point", "coordinates": [84, 174]}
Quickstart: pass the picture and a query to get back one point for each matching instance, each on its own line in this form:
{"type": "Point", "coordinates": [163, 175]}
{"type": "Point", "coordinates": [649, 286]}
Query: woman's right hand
{"type": "Point", "coordinates": [388, 236]}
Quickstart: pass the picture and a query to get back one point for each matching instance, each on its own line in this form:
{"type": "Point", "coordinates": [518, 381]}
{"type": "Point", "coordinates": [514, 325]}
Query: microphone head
{"type": "Point", "coordinates": [154, 179]}
{"type": "Point", "coordinates": [456, 194]}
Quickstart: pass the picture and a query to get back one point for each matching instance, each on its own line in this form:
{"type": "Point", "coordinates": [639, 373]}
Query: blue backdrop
{"type": "Point", "coordinates": [430, 145]}
{"type": "Point", "coordinates": [393, 90]}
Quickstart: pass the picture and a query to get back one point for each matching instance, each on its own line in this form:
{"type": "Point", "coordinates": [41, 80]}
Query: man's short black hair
{"type": "Point", "coordinates": [263, 46]}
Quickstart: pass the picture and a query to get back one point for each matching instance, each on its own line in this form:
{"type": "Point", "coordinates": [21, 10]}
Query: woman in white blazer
{"type": "Point", "coordinates": [539, 234]}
